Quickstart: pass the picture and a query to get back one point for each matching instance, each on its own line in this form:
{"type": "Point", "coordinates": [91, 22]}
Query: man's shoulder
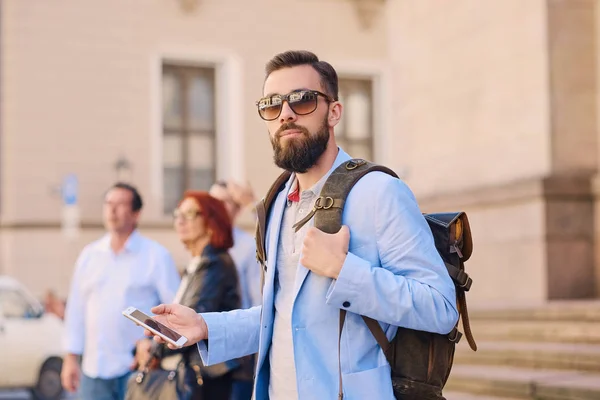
{"type": "Point", "coordinates": [377, 189]}
{"type": "Point", "coordinates": [152, 245]}
{"type": "Point", "coordinates": [378, 177]}
{"type": "Point", "coordinates": [99, 244]}
{"type": "Point", "coordinates": [380, 183]}
{"type": "Point", "coordinates": [241, 235]}
{"type": "Point", "coordinates": [244, 244]}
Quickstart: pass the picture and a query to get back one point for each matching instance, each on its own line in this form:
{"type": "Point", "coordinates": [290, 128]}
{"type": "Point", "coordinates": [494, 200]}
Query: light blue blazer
{"type": "Point", "coordinates": [392, 274]}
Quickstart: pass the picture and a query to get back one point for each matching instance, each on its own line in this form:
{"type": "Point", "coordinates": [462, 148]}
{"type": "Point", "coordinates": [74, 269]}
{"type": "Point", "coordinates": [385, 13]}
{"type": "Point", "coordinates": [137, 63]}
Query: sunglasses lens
{"type": "Point", "coordinates": [270, 107]}
{"type": "Point", "coordinates": [303, 103]}
{"type": "Point", "coordinates": [270, 113]}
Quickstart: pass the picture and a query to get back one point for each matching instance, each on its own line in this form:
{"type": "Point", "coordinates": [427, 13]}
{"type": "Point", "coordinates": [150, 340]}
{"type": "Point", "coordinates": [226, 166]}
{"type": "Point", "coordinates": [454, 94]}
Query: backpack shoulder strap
{"type": "Point", "coordinates": [330, 204]}
{"type": "Point", "coordinates": [328, 211]}
{"type": "Point", "coordinates": [262, 213]}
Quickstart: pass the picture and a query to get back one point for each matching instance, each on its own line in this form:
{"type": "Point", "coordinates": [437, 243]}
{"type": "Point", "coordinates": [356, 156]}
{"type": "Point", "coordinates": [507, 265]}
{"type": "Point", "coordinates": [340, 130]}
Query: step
{"type": "Point", "coordinates": [535, 355]}
{"type": "Point", "coordinates": [470, 396]}
{"type": "Point", "coordinates": [524, 383]}
{"type": "Point", "coordinates": [565, 310]}
{"type": "Point", "coordinates": [581, 387]}
{"type": "Point", "coordinates": [536, 331]}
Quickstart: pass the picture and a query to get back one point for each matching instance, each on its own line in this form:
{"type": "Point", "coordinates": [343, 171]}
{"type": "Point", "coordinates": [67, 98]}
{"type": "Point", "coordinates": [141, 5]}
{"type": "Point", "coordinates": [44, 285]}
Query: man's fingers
{"type": "Point", "coordinates": [70, 380]}
{"type": "Point", "coordinates": [72, 384]}
{"type": "Point", "coordinates": [68, 386]}
{"type": "Point", "coordinates": [76, 379]}
{"type": "Point", "coordinates": [161, 309]}
{"type": "Point", "coordinates": [344, 231]}
{"type": "Point", "coordinates": [158, 339]}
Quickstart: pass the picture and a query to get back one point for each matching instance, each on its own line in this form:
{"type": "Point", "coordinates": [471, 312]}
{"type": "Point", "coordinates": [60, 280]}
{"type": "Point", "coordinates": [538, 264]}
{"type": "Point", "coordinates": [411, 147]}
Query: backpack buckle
{"type": "Point", "coordinates": [463, 280]}
{"type": "Point", "coordinates": [353, 164]}
{"type": "Point", "coordinates": [327, 200]}
{"type": "Point", "coordinates": [454, 335]}
{"type": "Point", "coordinates": [467, 284]}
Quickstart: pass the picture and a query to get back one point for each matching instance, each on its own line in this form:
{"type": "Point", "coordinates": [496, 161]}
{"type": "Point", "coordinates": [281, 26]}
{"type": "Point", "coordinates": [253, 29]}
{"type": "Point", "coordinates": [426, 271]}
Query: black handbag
{"type": "Point", "coordinates": [159, 384]}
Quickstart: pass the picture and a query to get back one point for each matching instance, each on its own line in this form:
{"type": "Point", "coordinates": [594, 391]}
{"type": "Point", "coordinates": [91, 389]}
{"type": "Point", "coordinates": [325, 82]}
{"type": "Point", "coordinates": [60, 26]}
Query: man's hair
{"type": "Point", "coordinates": [294, 58]}
{"type": "Point", "coordinates": [136, 198]}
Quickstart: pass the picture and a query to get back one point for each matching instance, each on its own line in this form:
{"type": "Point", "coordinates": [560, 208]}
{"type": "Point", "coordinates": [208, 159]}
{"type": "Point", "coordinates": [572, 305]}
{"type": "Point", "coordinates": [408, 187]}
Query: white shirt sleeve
{"type": "Point", "coordinates": [75, 309]}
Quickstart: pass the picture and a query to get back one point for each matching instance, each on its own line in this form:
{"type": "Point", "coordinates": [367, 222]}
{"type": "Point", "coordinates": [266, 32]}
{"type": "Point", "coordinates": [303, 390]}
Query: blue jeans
{"type": "Point", "coordinates": [103, 389]}
{"type": "Point", "coordinates": [241, 390]}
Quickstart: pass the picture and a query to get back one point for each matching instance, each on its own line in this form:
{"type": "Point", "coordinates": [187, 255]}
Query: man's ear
{"type": "Point", "coordinates": [335, 113]}
{"type": "Point", "coordinates": [136, 215]}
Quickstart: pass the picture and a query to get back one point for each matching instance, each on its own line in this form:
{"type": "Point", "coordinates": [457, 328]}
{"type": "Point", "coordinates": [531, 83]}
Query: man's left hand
{"type": "Point", "coordinates": [324, 253]}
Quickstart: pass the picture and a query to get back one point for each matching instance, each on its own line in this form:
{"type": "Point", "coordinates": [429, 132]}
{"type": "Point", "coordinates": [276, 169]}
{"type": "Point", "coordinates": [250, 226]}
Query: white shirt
{"type": "Point", "coordinates": [104, 284]}
{"type": "Point", "coordinates": [243, 254]}
{"type": "Point", "coordinates": [282, 382]}
{"type": "Point", "coordinates": [185, 281]}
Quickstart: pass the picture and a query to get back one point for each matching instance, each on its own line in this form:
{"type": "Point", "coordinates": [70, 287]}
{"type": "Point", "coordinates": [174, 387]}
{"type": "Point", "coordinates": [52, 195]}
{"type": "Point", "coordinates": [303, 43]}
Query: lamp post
{"type": "Point", "coordinates": [367, 11]}
{"type": "Point", "coordinates": [123, 169]}
{"type": "Point", "coordinates": [189, 6]}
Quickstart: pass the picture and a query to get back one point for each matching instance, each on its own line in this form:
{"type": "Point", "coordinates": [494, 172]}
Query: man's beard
{"type": "Point", "coordinates": [299, 154]}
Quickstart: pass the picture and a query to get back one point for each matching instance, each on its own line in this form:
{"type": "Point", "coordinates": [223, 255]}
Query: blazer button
{"type": "Point", "coordinates": [346, 304]}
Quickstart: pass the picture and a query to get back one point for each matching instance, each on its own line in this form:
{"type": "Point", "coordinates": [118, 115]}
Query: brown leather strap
{"type": "Point", "coordinates": [298, 225]}
{"type": "Point", "coordinates": [261, 254]}
{"type": "Point", "coordinates": [262, 213]}
{"type": "Point", "coordinates": [380, 337]}
{"type": "Point", "coordinates": [261, 223]}
{"type": "Point", "coordinates": [342, 319]}
{"type": "Point", "coordinates": [462, 308]}
{"type": "Point", "coordinates": [338, 186]}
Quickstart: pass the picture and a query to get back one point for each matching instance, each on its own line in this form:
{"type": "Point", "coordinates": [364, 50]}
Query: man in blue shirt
{"type": "Point", "coordinates": [382, 263]}
{"type": "Point", "coordinates": [121, 269]}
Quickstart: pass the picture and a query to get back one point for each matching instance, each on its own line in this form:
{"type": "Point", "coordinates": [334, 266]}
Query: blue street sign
{"type": "Point", "coordinates": [70, 189]}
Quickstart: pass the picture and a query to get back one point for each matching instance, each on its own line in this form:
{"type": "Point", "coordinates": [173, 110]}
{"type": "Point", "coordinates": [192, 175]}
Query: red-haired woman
{"type": "Point", "coordinates": [209, 284]}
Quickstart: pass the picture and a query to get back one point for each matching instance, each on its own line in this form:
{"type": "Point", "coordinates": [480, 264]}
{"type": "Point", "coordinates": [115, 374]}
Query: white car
{"type": "Point", "coordinates": [30, 343]}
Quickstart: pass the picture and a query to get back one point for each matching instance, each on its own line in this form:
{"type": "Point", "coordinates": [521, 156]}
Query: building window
{"type": "Point", "coordinates": [354, 133]}
{"type": "Point", "coordinates": [189, 145]}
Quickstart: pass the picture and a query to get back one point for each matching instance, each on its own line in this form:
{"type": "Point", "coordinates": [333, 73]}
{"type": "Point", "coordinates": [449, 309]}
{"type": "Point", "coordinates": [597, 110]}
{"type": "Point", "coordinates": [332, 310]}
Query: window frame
{"type": "Point", "coordinates": [230, 108]}
{"type": "Point", "coordinates": [185, 74]}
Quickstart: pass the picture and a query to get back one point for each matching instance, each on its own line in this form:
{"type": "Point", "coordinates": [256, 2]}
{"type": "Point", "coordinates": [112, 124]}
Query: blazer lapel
{"type": "Point", "coordinates": [272, 242]}
{"type": "Point", "coordinates": [301, 273]}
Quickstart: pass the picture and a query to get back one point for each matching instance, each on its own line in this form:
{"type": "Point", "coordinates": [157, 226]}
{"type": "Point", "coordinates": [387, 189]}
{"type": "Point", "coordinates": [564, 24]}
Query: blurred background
{"type": "Point", "coordinates": [487, 106]}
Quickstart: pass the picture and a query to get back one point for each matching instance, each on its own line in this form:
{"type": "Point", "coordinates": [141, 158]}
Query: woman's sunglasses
{"type": "Point", "coordinates": [302, 102]}
{"type": "Point", "coordinates": [188, 215]}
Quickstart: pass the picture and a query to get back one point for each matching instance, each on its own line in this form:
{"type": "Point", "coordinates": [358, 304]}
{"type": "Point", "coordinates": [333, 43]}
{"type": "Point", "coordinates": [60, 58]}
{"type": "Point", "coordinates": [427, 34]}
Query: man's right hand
{"type": "Point", "coordinates": [181, 319]}
{"type": "Point", "coordinates": [70, 373]}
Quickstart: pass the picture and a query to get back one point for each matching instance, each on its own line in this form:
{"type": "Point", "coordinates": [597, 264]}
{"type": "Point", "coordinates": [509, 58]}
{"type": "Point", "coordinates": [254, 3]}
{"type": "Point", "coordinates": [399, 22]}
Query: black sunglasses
{"type": "Point", "coordinates": [302, 102]}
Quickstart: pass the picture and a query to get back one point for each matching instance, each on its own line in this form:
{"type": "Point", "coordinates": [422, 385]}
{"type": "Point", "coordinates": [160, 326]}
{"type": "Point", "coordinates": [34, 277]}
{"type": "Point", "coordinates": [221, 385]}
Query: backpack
{"type": "Point", "coordinates": [420, 361]}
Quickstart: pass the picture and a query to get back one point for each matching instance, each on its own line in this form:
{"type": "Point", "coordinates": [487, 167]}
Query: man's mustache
{"type": "Point", "coordinates": [290, 125]}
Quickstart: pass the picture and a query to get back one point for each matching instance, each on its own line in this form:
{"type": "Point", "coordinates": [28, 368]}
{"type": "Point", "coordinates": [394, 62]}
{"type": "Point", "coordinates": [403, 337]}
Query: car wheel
{"type": "Point", "coordinates": [49, 386]}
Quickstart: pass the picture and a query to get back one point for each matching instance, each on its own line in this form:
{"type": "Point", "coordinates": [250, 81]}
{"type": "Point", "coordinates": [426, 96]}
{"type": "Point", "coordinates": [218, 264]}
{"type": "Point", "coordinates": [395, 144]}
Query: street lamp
{"type": "Point", "coordinates": [189, 6]}
{"type": "Point", "coordinates": [367, 11]}
{"type": "Point", "coordinates": [123, 169]}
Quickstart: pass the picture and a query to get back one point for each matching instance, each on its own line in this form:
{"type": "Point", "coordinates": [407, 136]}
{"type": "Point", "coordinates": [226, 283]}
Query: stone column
{"type": "Point", "coordinates": [574, 148]}
{"type": "Point", "coordinates": [495, 105]}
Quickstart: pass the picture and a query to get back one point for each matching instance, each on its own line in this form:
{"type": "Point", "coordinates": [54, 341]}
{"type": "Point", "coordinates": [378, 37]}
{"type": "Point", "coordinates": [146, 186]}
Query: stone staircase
{"type": "Point", "coordinates": [546, 353]}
